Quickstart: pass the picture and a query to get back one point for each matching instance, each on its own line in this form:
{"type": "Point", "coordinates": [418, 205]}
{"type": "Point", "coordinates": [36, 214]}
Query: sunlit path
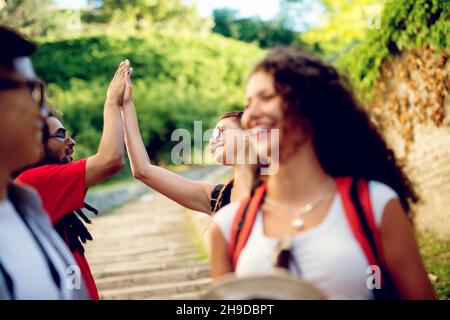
{"type": "Point", "coordinates": [143, 250]}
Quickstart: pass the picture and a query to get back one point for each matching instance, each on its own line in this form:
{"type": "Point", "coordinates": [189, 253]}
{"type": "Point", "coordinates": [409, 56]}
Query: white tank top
{"type": "Point", "coordinates": [327, 255]}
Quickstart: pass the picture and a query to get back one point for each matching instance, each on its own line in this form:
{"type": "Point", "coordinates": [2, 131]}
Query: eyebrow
{"type": "Point", "coordinates": [262, 92]}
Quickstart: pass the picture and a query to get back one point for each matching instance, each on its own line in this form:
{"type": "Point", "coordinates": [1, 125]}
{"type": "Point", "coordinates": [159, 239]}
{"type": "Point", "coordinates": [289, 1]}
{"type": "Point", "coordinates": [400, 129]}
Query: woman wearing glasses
{"type": "Point", "coordinates": [195, 195]}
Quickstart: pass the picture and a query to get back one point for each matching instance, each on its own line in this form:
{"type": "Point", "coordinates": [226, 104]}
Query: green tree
{"type": "Point", "coordinates": [145, 14]}
{"type": "Point", "coordinates": [404, 24]}
{"type": "Point", "coordinates": [296, 14]}
{"type": "Point", "coordinates": [264, 33]}
{"type": "Point", "coordinates": [31, 17]}
{"type": "Point", "coordinates": [225, 22]}
{"type": "Point", "coordinates": [339, 23]}
{"type": "Point", "coordinates": [177, 79]}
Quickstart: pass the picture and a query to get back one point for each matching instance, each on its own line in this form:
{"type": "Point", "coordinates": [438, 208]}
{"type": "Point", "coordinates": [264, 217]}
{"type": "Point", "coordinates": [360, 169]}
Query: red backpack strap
{"type": "Point", "coordinates": [344, 186]}
{"type": "Point", "coordinates": [366, 204]}
{"type": "Point", "coordinates": [243, 223]}
{"type": "Point", "coordinates": [238, 217]}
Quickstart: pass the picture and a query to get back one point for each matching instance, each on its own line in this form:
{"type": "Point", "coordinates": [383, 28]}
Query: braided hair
{"type": "Point", "coordinates": [224, 193]}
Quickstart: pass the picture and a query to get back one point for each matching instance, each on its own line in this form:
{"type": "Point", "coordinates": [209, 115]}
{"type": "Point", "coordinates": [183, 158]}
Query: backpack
{"type": "Point", "coordinates": [355, 198]}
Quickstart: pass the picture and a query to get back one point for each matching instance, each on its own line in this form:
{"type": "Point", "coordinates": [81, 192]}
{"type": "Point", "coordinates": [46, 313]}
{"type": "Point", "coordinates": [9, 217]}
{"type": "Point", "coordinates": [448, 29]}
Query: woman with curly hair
{"type": "Point", "coordinates": [335, 212]}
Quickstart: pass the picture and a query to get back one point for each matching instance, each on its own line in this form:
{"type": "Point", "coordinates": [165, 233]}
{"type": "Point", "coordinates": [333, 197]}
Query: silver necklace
{"type": "Point", "coordinates": [298, 222]}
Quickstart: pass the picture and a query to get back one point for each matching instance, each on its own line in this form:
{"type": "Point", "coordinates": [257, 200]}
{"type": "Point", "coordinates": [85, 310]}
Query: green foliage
{"type": "Point", "coordinates": [146, 15]}
{"type": "Point", "coordinates": [300, 15]}
{"type": "Point", "coordinates": [436, 257]}
{"type": "Point", "coordinates": [264, 33]}
{"type": "Point", "coordinates": [31, 17]}
{"type": "Point", "coordinates": [178, 78]}
{"type": "Point", "coordinates": [343, 23]}
{"type": "Point", "coordinates": [404, 24]}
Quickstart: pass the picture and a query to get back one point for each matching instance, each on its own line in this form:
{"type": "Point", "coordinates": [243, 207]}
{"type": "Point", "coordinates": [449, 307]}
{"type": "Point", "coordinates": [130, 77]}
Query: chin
{"type": "Point", "coordinates": [66, 159]}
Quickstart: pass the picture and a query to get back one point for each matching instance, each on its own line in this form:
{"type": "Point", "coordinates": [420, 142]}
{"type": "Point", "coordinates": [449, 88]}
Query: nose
{"type": "Point", "coordinates": [250, 115]}
{"type": "Point", "coordinates": [70, 142]}
{"type": "Point", "coordinates": [212, 142]}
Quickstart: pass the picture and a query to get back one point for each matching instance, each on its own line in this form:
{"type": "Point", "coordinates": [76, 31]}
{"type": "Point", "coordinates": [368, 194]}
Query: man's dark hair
{"type": "Point", "coordinates": [14, 45]}
{"type": "Point", "coordinates": [52, 112]}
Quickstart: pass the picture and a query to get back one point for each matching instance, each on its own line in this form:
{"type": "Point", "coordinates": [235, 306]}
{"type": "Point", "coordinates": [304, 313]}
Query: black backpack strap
{"type": "Point", "coordinates": [54, 273]}
{"type": "Point", "coordinates": [8, 281]}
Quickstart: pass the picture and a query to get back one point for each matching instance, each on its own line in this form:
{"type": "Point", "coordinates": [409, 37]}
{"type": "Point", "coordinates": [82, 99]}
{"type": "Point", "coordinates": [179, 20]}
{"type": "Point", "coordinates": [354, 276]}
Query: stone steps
{"type": "Point", "coordinates": [143, 250]}
{"type": "Point", "coordinates": [141, 255]}
{"type": "Point", "coordinates": [154, 278]}
{"type": "Point", "coordinates": [157, 291]}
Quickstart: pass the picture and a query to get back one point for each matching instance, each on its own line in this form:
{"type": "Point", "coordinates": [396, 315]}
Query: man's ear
{"type": "Point", "coordinates": [41, 152]}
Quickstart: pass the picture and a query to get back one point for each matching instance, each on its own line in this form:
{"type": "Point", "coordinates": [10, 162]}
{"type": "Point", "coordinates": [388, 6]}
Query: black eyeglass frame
{"type": "Point", "coordinates": [36, 87]}
{"type": "Point", "coordinates": [217, 133]}
{"type": "Point", "coordinates": [65, 135]}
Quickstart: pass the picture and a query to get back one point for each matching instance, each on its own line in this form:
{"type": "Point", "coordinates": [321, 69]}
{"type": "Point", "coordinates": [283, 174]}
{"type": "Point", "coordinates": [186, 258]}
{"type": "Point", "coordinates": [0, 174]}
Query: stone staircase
{"type": "Point", "coordinates": [144, 250]}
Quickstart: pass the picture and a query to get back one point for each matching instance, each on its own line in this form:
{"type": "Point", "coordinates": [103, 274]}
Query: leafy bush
{"type": "Point", "coordinates": [404, 24]}
{"type": "Point", "coordinates": [178, 78]}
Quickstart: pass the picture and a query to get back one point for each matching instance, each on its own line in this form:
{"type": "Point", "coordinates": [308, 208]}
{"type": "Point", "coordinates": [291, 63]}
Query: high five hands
{"type": "Point", "coordinates": [128, 92]}
{"type": "Point", "coordinates": [119, 90]}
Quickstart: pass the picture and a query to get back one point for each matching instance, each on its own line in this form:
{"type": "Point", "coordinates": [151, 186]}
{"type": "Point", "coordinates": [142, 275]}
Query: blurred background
{"type": "Point", "coordinates": [191, 60]}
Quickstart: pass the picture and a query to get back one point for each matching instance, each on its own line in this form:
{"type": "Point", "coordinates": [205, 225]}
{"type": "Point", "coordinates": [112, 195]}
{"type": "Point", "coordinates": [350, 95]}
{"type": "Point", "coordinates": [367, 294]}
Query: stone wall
{"type": "Point", "coordinates": [412, 106]}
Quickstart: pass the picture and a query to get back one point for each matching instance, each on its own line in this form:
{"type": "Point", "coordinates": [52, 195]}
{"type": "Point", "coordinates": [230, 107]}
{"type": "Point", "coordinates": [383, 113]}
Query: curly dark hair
{"type": "Point", "coordinates": [346, 142]}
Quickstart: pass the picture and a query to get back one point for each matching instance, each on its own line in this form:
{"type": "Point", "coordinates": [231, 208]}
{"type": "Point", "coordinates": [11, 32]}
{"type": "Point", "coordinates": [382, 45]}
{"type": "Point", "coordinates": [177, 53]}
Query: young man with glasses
{"type": "Point", "coordinates": [34, 262]}
{"type": "Point", "coordinates": [63, 183]}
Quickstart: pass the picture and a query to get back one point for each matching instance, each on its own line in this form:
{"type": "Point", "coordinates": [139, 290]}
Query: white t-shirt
{"type": "Point", "coordinates": [328, 255]}
{"type": "Point", "coordinates": [24, 262]}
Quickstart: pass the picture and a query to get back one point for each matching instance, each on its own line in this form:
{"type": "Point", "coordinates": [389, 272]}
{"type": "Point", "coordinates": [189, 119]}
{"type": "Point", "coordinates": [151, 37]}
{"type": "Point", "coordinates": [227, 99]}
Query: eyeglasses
{"type": "Point", "coordinates": [61, 134]}
{"type": "Point", "coordinates": [217, 133]}
{"type": "Point", "coordinates": [35, 87]}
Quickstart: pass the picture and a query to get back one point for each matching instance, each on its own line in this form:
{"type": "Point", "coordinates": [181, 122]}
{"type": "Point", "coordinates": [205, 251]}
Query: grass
{"type": "Point", "coordinates": [436, 256]}
{"type": "Point", "coordinates": [196, 236]}
{"type": "Point", "coordinates": [107, 185]}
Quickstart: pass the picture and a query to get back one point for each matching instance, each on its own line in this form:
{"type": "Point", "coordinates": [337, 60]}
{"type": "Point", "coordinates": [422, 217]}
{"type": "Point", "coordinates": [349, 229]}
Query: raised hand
{"type": "Point", "coordinates": [117, 86]}
{"type": "Point", "coordinates": [128, 92]}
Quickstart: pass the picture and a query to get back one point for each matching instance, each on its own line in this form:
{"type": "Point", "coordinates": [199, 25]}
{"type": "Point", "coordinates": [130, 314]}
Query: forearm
{"type": "Point", "coordinates": [191, 194]}
{"type": "Point", "coordinates": [111, 148]}
{"type": "Point", "coordinates": [137, 153]}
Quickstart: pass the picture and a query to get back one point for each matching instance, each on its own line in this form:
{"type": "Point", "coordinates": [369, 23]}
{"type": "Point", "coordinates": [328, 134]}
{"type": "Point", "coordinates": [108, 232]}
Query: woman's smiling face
{"type": "Point", "coordinates": [263, 115]}
{"type": "Point", "coordinates": [225, 142]}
